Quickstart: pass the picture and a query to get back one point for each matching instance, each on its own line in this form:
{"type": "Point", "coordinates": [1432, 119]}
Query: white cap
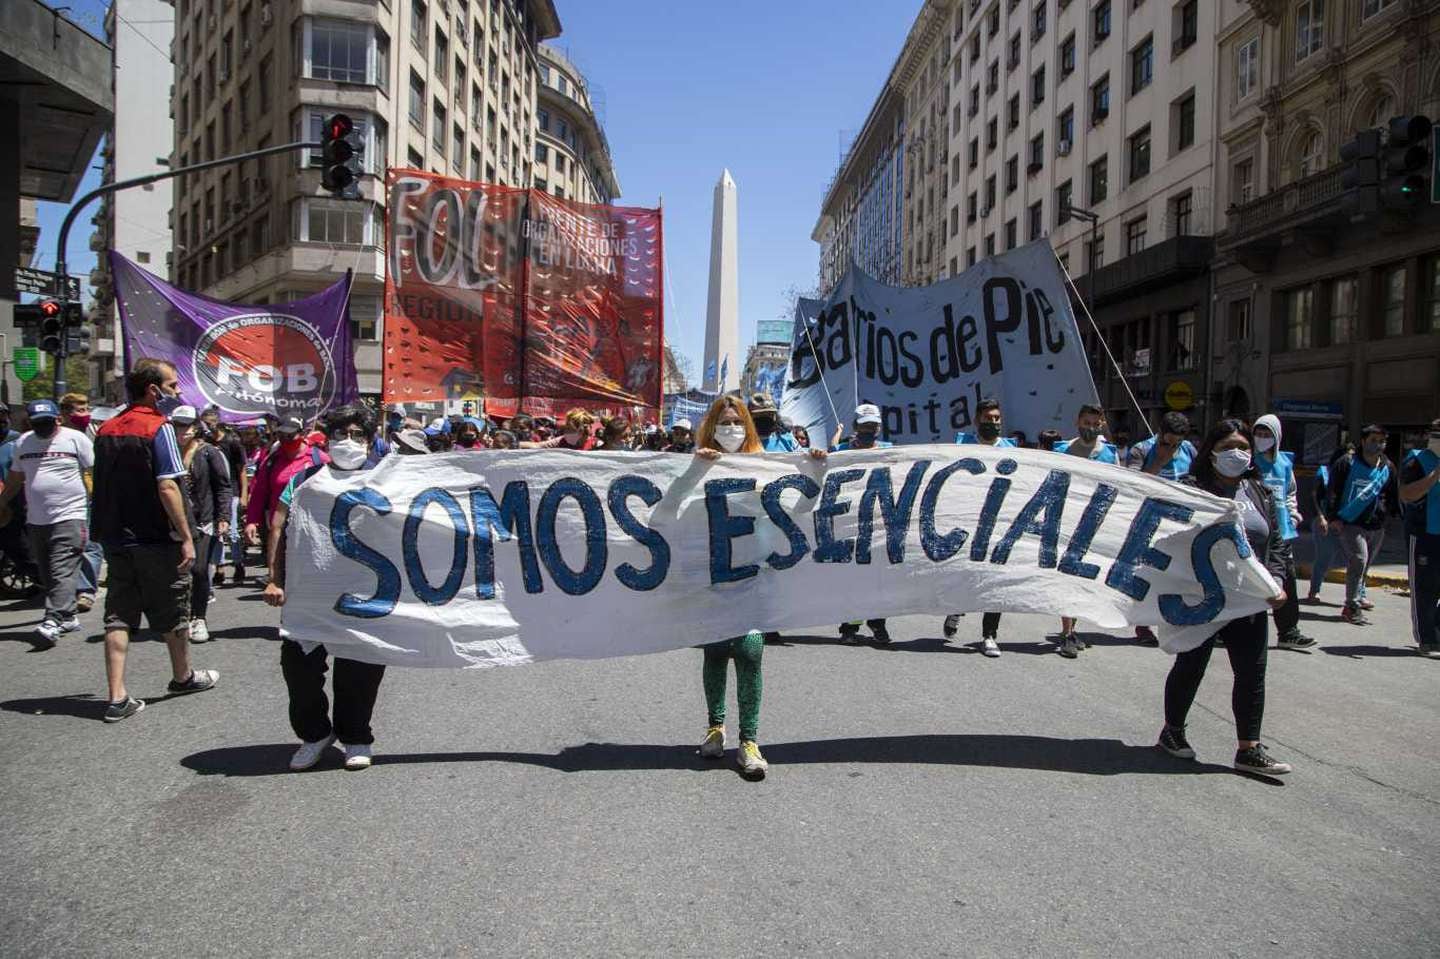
{"type": "Point", "coordinates": [683, 424]}
{"type": "Point", "coordinates": [184, 415]}
{"type": "Point", "coordinates": [867, 413]}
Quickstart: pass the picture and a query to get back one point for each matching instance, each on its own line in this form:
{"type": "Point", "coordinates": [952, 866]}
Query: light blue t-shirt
{"type": "Point", "coordinates": [1104, 451]}
{"type": "Point", "coordinates": [1004, 442]}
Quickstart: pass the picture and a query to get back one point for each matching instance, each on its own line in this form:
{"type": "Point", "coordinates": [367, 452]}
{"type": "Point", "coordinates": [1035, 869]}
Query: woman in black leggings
{"type": "Point", "coordinates": [1223, 467]}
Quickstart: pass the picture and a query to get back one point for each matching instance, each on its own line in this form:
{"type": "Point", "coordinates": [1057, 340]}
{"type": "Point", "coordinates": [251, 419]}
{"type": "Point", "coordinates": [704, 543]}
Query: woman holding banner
{"type": "Point", "coordinates": [1224, 467]}
{"type": "Point", "coordinates": [728, 428]}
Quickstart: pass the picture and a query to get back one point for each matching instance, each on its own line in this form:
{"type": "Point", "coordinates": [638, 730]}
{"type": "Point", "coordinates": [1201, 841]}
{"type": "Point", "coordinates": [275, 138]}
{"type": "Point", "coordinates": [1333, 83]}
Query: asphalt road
{"type": "Point", "coordinates": [922, 801]}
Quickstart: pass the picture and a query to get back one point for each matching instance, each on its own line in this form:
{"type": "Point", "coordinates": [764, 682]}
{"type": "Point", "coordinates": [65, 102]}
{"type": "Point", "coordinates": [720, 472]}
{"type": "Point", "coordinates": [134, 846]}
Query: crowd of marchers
{"type": "Point", "coordinates": [154, 500]}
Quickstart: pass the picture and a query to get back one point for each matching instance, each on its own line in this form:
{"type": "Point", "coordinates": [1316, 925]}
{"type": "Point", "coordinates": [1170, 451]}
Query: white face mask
{"type": "Point", "coordinates": [730, 437]}
{"type": "Point", "coordinates": [348, 454]}
{"type": "Point", "coordinates": [1231, 463]}
{"type": "Point", "coordinates": [1264, 443]}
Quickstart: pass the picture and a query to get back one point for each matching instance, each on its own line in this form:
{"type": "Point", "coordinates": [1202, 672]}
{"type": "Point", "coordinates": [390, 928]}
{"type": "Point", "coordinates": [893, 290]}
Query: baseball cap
{"type": "Point", "coordinates": [289, 424]}
{"type": "Point", "coordinates": [413, 440]}
{"type": "Point", "coordinates": [42, 410]}
{"type": "Point", "coordinates": [683, 424]}
{"type": "Point", "coordinates": [1370, 430]}
{"type": "Point", "coordinates": [867, 413]}
{"type": "Point", "coordinates": [184, 415]}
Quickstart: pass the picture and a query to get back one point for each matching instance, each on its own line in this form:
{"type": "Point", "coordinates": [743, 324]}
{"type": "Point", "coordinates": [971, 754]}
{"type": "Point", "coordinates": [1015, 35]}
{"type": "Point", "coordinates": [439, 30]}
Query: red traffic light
{"type": "Point", "coordinates": [339, 126]}
{"type": "Point", "coordinates": [49, 308]}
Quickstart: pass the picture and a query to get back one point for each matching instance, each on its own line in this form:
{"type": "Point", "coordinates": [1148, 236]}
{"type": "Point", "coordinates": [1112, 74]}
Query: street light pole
{"type": "Point", "coordinates": [1093, 218]}
{"type": "Point", "coordinates": [60, 385]}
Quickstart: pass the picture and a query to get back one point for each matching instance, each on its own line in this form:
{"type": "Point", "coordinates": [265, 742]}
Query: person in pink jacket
{"type": "Point", "coordinates": [291, 453]}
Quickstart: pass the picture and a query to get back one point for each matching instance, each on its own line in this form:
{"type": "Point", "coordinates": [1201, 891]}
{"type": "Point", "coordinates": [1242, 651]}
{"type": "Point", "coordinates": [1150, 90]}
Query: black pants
{"type": "Point", "coordinates": [990, 626]}
{"type": "Point", "coordinates": [1246, 641]}
{"type": "Point", "coordinates": [1287, 617]}
{"type": "Point", "coordinates": [200, 576]}
{"type": "Point", "coordinates": [356, 687]}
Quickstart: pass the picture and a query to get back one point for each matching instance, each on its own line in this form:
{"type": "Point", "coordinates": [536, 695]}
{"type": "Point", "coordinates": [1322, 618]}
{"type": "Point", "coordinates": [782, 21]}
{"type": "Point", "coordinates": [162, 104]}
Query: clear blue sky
{"type": "Point", "coordinates": [690, 88]}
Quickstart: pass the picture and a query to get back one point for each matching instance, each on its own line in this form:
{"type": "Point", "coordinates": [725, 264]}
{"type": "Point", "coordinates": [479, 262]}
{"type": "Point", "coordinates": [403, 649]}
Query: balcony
{"type": "Point", "coordinates": [1310, 207]}
{"type": "Point", "coordinates": [1167, 262]}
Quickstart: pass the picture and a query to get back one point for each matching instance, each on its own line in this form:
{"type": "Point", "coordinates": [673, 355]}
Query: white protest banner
{"type": "Point", "coordinates": [480, 559]}
{"type": "Point", "coordinates": [1001, 330]}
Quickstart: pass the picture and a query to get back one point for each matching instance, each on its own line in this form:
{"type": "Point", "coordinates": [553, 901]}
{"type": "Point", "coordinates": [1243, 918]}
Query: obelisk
{"type": "Point", "coordinates": [722, 315]}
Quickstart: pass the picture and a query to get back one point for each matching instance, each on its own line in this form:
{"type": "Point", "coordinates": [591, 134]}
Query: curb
{"type": "Point", "coordinates": [1372, 578]}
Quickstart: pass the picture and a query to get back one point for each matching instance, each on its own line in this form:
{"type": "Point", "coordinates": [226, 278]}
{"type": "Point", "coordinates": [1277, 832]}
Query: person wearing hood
{"type": "Point", "coordinates": [350, 432]}
{"type": "Point", "coordinates": [1090, 443]}
{"type": "Point", "coordinates": [989, 429]}
{"type": "Point", "coordinates": [52, 470]}
{"type": "Point", "coordinates": [1361, 485]}
{"type": "Point", "coordinates": [1420, 492]}
{"type": "Point", "coordinates": [291, 453]}
{"type": "Point", "coordinates": [1277, 470]}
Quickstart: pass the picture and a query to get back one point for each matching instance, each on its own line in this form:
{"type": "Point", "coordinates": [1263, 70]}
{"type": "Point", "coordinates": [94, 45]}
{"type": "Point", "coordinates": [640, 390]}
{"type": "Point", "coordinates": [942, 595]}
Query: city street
{"type": "Point", "coordinates": [922, 801]}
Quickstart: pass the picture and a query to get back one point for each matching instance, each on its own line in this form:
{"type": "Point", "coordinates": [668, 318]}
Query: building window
{"type": "Point", "coordinates": [417, 24]}
{"type": "Point", "coordinates": [372, 155]}
{"type": "Point", "coordinates": [1182, 214]}
{"type": "Point", "coordinates": [1100, 100]}
{"type": "Point", "coordinates": [337, 222]}
{"type": "Point", "coordinates": [1182, 115]}
{"type": "Point", "coordinates": [1308, 161]}
{"type": "Point", "coordinates": [1012, 114]}
{"type": "Point", "coordinates": [1237, 323]}
{"type": "Point", "coordinates": [437, 125]}
{"type": "Point", "coordinates": [1099, 180]}
{"type": "Point", "coordinates": [989, 244]}
{"type": "Point", "coordinates": [1037, 154]}
{"type": "Point", "coordinates": [992, 78]}
{"type": "Point", "coordinates": [1309, 28]}
{"type": "Point", "coordinates": [542, 153]}
{"type": "Point", "coordinates": [474, 164]}
{"type": "Point", "coordinates": [1429, 318]}
{"type": "Point", "coordinates": [992, 22]}
{"type": "Point", "coordinates": [1135, 236]}
{"type": "Point", "coordinates": [1392, 299]}
{"type": "Point", "coordinates": [262, 79]}
{"type": "Point", "coordinates": [974, 155]}
{"type": "Point", "coordinates": [1036, 218]}
{"type": "Point", "coordinates": [1140, 154]}
{"type": "Point", "coordinates": [1037, 88]}
{"type": "Point", "coordinates": [365, 318]}
{"type": "Point", "coordinates": [992, 134]}
{"type": "Point", "coordinates": [1037, 22]}
{"type": "Point", "coordinates": [1187, 25]}
{"type": "Point", "coordinates": [954, 220]}
{"type": "Point", "coordinates": [1344, 310]}
{"type": "Point", "coordinates": [1299, 308]}
{"type": "Point", "coordinates": [989, 194]}
{"type": "Point", "coordinates": [442, 55]}
{"type": "Point", "coordinates": [457, 148]}
{"type": "Point", "coordinates": [972, 207]}
{"type": "Point", "coordinates": [417, 101]}
{"type": "Point", "coordinates": [1065, 131]}
{"type": "Point", "coordinates": [338, 51]}
{"type": "Point", "coordinates": [969, 257]}
{"type": "Point", "coordinates": [1067, 56]}
{"type": "Point", "coordinates": [1013, 60]}
{"type": "Point", "coordinates": [1063, 194]}
{"type": "Point", "coordinates": [1372, 7]}
{"type": "Point", "coordinates": [1095, 253]}
{"type": "Point", "coordinates": [974, 100]}
{"type": "Point", "coordinates": [1182, 341]}
{"type": "Point", "coordinates": [1247, 68]}
{"type": "Point", "coordinates": [1012, 175]}
{"type": "Point", "coordinates": [1100, 22]}
{"type": "Point", "coordinates": [1242, 181]}
{"type": "Point", "coordinates": [1142, 65]}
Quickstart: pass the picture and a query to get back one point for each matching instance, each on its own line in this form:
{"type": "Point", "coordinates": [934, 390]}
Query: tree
{"type": "Point", "coordinates": [679, 371]}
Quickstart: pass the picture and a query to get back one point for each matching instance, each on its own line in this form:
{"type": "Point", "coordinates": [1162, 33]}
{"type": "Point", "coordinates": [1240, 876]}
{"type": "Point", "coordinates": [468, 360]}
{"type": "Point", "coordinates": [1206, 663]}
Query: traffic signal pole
{"type": "Point", "coordinates": [60, 385]}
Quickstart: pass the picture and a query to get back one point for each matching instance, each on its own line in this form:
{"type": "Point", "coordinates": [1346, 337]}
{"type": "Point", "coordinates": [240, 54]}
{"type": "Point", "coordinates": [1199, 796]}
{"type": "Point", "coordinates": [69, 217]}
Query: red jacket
{"type": "Point", "coordinates": [271, 478]}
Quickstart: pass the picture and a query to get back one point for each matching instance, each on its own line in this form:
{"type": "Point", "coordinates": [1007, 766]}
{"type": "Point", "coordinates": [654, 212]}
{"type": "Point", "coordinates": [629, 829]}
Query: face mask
{"type": "Point", "coordinates": [989, 431]}
{"type": "Point", "coordinates": [79, 420]}
{"type": "Point", "coordinates": [866, 437]}
{"type": "Point", "coordinates": [730, 438]}
{"type": "Point", "coordinates": [765, 425]}
{"type": "Point", "coordinates": [1231, 463]}
{"type": "Point", "coordinates": [168, 404]}
{"type": "Point", "coordinates": [1435, 444]}
{"type": "Point", "coordinates": [466, 441]}
{"type": "Point", "coordinates": [290, 445]}
{"type": "Point", "coordinates": [348, 454]}
{"type": "Point", "coordinates": [1264, 443]}
{"type": "Point", "coordinates": [44, 427]}
{"type": "Point", "coordinates": [572, 439]}
{"type": "Point", "coordinates": [1374, 448]}
{"type": "Point", "coordinates": [1088, 434]}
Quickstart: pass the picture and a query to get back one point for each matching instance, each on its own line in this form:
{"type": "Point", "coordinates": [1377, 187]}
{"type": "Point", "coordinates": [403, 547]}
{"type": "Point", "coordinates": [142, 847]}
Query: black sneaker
{"type": "Point", "coordinates": [1173, 741]}
{"type": "Point", "coordinates": [849, 634]}
{"type": "Point", "coordinates": [1296, 640]}
{"type": "Point", "coordinates": [772, 638]}
{"type": "Point", "coordinates": [199, 681]}
{"type": "Point", "coordinates": [1145, 636]}
{"type": "Point", "coordinates": [1257, 760]}
{"type": "Point", "coordinates": [881, 634]}
{"type": "Point", "coordinates": [952, 625]}
{"type": "Point", "coordinates": [114, 712]}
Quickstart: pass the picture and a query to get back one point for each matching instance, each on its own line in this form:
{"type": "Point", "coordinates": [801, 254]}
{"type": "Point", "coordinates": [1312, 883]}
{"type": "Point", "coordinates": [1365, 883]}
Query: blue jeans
{"type": "Point", "coordinates": [1326, 548]}
{"type": "Point", "coordinates": [90, 568]}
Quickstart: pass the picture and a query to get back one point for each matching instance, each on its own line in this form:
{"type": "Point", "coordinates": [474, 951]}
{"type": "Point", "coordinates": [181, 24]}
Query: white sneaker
{"type": "Point", "coordinates": [71, 625]}
{"type": "Point", "coordinates": [199, 632]}
{"type": "Point", "coordinates": [49, 631]}
{"type": "Point", "coordinates": [358, 756]}
{"type": "Point", "coordinates": [990, 648]}
{"type": "Point", "coordinates": [309, 754]}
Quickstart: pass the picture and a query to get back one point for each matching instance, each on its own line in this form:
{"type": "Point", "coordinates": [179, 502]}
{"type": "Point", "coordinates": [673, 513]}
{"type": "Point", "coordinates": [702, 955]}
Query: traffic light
{"type": "Point", "coordinates": [340, 147]}
{"type": "Point", "coordinates": [467, 408]}
{"type": "Point", "coordinates": [1404, 163]}
{"type": "Point", "coordinates": [1361, 178]}
{"type": "Point", "coordinates": [77, 341]}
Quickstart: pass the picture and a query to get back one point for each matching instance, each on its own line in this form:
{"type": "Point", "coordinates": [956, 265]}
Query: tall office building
{"type": "Point", "coordinates": [134, 223]}
{"type": "Point", "coordinates": [453, 86]}
{"type": "Point", "coordinates": [572, 154]}
{"type": "Point", "coordinates": [722, 314]}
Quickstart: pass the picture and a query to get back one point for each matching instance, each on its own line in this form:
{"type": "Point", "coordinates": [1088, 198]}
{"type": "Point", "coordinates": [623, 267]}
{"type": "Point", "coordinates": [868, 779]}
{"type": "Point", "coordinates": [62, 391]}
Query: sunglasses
{"type": "Point", "coordinates": [353, 433]}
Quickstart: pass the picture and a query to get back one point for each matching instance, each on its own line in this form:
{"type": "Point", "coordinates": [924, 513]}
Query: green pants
{"type": "Point", "coordinates": [747, 651]}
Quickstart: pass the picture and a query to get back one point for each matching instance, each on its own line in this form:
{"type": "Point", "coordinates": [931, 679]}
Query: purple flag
{"type": "Point", "coordinates": [289, 359]}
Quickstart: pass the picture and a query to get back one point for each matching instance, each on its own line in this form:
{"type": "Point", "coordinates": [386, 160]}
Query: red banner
{"type": "Point", "coordinates": [520, 298]}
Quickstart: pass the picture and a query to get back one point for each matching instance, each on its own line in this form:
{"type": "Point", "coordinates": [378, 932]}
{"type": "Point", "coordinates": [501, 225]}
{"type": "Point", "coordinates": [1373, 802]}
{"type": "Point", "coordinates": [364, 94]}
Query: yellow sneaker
{"type": "Point", "coordinates": [714, 745]}
{"type": "Point", "coordinates": [752, 764]}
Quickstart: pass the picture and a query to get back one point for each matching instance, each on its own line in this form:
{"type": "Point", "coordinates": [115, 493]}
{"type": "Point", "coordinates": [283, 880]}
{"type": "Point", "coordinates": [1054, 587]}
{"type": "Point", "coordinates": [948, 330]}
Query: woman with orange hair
{"type": "Point", "coordinates": [728, 428]}
{"type": "Point", "coordinates": [578, 433]}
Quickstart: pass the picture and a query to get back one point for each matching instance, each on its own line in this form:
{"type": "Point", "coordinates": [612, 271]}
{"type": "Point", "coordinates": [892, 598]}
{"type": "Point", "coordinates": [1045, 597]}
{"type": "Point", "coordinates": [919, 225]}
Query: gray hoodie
{"type": "Point", "coordinates": [1292, 499]}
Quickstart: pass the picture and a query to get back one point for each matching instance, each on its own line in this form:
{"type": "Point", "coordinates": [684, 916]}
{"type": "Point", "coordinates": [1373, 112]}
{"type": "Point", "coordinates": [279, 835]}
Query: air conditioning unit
{"type": "Point", "coordinates": [1064, 148]}
{"type": "Point", "coordinates": [266, 16]}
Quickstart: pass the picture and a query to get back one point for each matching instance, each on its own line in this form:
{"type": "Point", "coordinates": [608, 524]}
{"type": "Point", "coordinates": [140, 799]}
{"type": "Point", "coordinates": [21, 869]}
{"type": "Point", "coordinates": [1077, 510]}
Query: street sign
{"type": "Point", "coordinates": [1179, 395]}
{"type": "Point", "coordinates": [27, 363]}
{"type": "Point", "coordinates": [46, 283]}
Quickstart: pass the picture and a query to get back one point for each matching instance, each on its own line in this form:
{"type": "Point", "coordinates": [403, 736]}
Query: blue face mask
{"type": "Point", "coordinates": [168, 404]}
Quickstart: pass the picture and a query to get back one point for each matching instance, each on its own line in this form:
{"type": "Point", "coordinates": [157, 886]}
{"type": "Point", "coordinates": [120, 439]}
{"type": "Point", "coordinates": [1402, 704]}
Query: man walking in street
{"type": "Point", "coordinates": [223, 438]}
{"type": "Point", "coordinates": [865, 435]}
{"type": "Point", "coordinates": [75, 415]}
{"type": "Point", "coordinates": [1420, 492]}
{"type": "Point", "coordinates": [142, 520]}
{"type": "Point", "coordinates": [1090, 443]}
{"type": "Point", "coordinates": [1359, 485]}
{"type": "Point", "coordinates": [989, 424]}
{"type": "Point", "coordinates": [52, 466]}
{"type": "Point", "coordinates": [1277, 470]}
